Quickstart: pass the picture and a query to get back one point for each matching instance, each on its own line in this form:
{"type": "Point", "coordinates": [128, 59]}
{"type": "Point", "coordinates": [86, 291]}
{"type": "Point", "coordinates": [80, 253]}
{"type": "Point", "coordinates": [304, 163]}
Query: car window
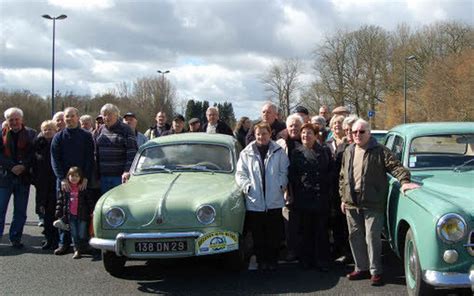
{"type": "Point", "coordinates": [441, 151]}
{"type": "Point", "coordinates": [185, 157]}
{"type": "Point", "coordinates": [397, 147]}
{"type": "Point", "coordinates": [389, 141]}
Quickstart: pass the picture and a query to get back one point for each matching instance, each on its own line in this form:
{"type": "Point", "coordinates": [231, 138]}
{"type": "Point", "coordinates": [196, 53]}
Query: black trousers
{"type": "Point", "coordinates": [340, 234]}
{"type": "Point", "coordinates": [314, 246]}
{"type": "Point", "coordinates": [266, 234]}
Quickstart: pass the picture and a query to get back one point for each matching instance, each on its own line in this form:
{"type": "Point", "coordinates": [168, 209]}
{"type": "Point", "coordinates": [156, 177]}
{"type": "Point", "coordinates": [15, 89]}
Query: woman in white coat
{"type": "Point", "coordinates": [262, 173]}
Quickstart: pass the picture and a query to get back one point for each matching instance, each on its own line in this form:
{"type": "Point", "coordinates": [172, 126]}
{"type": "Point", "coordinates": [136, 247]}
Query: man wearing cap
{"type": "Point", "coordinates": [214, 125]}
{"type": "Point", "coordinates": [194, 125]}
{"type": "Point", "coordinates": [177, 126]}
{"type": "Point", "coordinates": [341, 110]}
{"type": "Point", "coordinates": [160, 127]}
{"type": "Point", "coordinates": [130, 119]}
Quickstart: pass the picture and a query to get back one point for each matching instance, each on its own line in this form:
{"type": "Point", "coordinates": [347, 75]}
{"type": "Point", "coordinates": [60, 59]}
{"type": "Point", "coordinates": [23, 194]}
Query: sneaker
{"type": "Point", "coordinates": [62, 250]}
{"type": "Point", "coordinates": [17, 245]}
{"type": "Point", "coordinates": [358, 275]}
{"type": "Point", "coordinates": [376, 280]}
{"type": "Point", "coordinates": [46, 245]}
{"type": "Point", "coordinates": [253, 263]}
{"type": "Point", "coordinates": [61, 225]}
{"type": "Point", "coordinates": [77, 255]}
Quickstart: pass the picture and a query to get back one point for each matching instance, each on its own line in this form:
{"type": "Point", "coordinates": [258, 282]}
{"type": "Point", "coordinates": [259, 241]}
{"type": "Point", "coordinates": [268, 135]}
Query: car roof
{"type": "Point", "coordinates": [413, 130]}
{"type": "Point", "coordinates": [193, 138]}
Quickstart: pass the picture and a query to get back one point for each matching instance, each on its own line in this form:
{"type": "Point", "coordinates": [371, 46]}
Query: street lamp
{"type": "Point", "coordinates": [412, 57]}
{"type": "Point", "coordinates": [163, 73]}
{"type": "Point", "coordinates": [61, 17]}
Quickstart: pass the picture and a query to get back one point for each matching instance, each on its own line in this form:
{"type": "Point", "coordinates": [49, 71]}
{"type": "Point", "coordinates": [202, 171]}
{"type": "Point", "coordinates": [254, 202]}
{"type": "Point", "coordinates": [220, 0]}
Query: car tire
{"type": "Point", "coordinates": [113, 264]}
{"type": "Point", "coordinates": [413, 274]}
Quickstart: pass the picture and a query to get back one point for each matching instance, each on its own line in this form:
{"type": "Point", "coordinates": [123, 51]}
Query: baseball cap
{"type": "Point", "coordinates": [129, 114]}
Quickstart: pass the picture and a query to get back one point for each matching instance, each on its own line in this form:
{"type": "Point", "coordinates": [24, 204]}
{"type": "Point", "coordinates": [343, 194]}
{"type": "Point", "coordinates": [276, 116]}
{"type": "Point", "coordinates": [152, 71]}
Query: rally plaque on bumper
{"type": "Point", "coordinates": [217, 242]}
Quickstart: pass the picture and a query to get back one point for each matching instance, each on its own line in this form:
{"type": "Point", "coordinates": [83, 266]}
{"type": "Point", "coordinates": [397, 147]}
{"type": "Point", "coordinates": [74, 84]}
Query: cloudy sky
{"type": "Point", "coordinates": [214, 50]}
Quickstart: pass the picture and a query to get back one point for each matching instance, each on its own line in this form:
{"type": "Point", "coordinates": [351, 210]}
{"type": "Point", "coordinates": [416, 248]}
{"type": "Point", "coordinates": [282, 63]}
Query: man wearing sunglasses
{"type": "Point", "coordinates": [363, 187]}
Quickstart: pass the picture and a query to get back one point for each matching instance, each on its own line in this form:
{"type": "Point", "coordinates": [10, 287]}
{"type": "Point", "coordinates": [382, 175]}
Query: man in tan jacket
{"type": "Point", "coordinates": [363, 187]}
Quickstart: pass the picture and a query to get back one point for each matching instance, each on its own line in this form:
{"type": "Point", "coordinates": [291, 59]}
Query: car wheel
{"type": "Point", "coordinates": [413, 275]}
{"type": "Point", "coordinates": [113, 264]}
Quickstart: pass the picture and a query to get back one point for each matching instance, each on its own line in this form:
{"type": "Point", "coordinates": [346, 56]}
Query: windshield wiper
{"type": "Point", "coordinates": [157, 168]}
{"type": "Point", "coordinates": [458, 168]}
{"type": "Point", "coordinates": [195, 167]}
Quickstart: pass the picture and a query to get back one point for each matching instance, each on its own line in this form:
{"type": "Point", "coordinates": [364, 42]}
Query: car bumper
{"type": "Point", "coordinates": [449, 280]}
{"type": "Point", "coordinates": [199, 243]}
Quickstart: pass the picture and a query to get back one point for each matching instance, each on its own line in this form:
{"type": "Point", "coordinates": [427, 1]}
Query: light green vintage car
{"type": "Point", "coordinates": [432, 228]}
{"type": "Point", "coordinates": [180, 201]}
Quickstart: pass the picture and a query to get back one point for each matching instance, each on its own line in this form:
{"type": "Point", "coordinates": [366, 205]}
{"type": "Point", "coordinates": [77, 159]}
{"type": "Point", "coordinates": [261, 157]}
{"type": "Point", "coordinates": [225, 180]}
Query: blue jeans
{"type": "Point", "coordinates": [78, 232]}
{"type": "Point", "coordinates": [109, 182]}
{"type": "Point", "coordinates": [20, 204]}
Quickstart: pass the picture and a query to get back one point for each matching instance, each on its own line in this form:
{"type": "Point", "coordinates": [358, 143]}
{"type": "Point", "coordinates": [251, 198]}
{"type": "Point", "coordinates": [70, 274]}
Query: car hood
{"type": "Point", "coordinates": [445, 191]}
{"type": "Point", "coordinates": [170, 200]}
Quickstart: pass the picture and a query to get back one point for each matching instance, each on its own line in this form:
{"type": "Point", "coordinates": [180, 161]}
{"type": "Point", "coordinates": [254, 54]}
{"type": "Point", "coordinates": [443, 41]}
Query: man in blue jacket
{"type": "Point", "coordinates": [72, 146]}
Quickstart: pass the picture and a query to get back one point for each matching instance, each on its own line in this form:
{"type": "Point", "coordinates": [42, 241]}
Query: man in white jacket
{"type": "Point", "coordinates": [262, 173]}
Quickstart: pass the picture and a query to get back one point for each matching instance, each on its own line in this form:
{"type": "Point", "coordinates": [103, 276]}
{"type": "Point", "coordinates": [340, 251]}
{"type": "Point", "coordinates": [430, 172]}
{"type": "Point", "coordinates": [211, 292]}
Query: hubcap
{"type": "Point", "coordinates": [410, 265]}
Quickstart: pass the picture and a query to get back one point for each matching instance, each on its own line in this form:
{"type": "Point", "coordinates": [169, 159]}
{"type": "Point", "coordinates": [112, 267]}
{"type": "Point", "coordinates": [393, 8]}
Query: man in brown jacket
{"type": "Point", "coordinates": [363, 187]}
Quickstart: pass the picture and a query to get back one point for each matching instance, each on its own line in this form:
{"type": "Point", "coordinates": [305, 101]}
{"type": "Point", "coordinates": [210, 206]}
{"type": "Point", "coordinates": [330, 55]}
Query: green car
{"type": "Point", "coordinates": [181, 201]}
{"type": "Point", "coordinates": [432, 228]}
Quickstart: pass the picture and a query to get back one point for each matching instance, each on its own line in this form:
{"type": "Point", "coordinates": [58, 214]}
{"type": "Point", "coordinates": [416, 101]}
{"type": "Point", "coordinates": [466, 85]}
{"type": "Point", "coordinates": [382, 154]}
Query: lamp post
{"type": "Point", "coordinates": [61, 17]}
{"type": "Point", "coordinates": [412, 57]}
{"type": "Point", "coordinates": [163, 73]}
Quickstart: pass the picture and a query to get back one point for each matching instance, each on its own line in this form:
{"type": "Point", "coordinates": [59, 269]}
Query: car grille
{"type": "Point", "coordinates": [470, 243]}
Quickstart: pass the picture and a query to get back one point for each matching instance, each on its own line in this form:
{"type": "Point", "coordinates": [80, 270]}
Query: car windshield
{"type": "Point", "coordinates": [380, 137]}
{"type": "Point", "coordinates": [185, 157]}
{"type": "Point", "coordinates": [442, 151]}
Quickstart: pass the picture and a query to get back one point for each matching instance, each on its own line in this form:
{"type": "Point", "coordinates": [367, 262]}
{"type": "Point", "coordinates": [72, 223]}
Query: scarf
{"type": "Point", "coordinates": [19, 151]}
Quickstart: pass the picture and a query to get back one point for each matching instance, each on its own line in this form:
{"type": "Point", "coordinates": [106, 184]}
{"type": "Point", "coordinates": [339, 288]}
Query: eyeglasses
{"type": "Point", "coordinates": [358, 132]}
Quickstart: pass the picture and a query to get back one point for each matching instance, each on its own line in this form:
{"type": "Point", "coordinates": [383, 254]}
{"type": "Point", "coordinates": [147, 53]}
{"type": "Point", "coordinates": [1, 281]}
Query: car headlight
{"type": "Point", "coordinates": [206, 214]}
{"type": "Point", "coordinates": [451, 228]}
{"type": "Point", "coordinates": [115, 217]}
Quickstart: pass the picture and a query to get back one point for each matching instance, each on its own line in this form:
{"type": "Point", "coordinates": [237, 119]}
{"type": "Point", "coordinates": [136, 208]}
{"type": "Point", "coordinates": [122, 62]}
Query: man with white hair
{"type": "Point", "coordinates": [16, 156]}
{"type": "Point", "coordinates": [363, 188]}
{"type": "Point", "coordinates": [269, 115]}
{"type": "Point", "coordinates": [87, 122]}
{"type": "Point", "coordinates": [58, 118]}
{"type": "Point", "coordinates": [116, 146]}
{"type": "Point", "coordinates": [214, 125]}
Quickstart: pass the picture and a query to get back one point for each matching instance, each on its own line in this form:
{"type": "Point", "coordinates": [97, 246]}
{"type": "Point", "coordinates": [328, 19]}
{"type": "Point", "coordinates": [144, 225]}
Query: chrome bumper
{"type": "Point", "coordinates": [449, 280]}
{"type": "Point", "coordinates": [117, 245]}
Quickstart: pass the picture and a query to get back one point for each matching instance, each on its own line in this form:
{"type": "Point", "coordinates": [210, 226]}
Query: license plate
{"type": "Point", "coordinates": [161, 247]}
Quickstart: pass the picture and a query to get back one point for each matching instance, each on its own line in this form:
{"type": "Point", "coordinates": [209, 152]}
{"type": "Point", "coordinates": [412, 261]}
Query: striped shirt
{"type": "Point", "coordinates": [116, 147]}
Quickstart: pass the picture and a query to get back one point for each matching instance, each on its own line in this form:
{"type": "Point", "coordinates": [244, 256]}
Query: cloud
{"type": "Point", "coordinates": [82, 5]}
{"type": "Point", "coordinates": [215, 50]}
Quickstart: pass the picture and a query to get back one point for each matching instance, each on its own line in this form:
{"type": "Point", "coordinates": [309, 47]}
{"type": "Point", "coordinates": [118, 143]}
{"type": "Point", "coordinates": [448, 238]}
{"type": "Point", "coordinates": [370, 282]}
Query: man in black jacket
{"type": "Point", "coordinates": [214, 125]}
{"type": "Point", "coordinates": [269, 114]}
{"type": "Point", "coordinates": [16, 155]}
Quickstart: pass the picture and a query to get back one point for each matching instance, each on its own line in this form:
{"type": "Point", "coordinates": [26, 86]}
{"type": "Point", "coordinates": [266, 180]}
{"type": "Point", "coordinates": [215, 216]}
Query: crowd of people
{"type": "Point", "coordinates": [305, 181]}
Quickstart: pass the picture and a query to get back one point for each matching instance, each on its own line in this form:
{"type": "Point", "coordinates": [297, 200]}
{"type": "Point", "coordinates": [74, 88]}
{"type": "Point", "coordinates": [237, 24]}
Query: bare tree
{"type": "Point", "coordinates": [281, 80]}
